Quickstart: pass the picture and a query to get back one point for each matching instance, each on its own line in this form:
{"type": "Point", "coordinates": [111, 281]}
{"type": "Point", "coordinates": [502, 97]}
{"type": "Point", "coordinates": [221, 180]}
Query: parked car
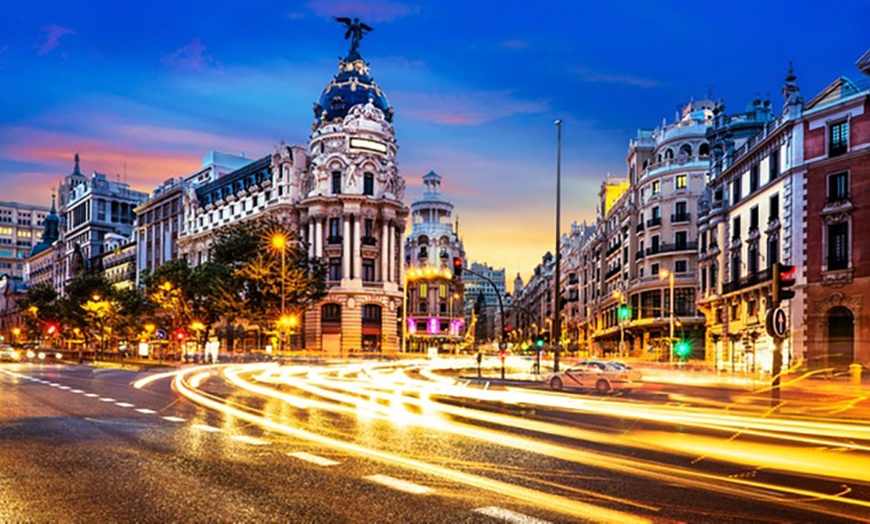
{"type": "Point", "coordinates": [599, 375]}
{"type": "Point", "coordinates": [9, 354]}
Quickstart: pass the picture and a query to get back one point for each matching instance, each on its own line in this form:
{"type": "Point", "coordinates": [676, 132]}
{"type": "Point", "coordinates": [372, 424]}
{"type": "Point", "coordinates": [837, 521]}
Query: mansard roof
{"type": "Point", "coordinates": [254, 173]}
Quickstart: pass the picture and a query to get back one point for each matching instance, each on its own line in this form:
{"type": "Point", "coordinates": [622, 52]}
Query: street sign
{"type": "Point", "coordinates": [777, 323]}
{"type": "Point", "coordinates": [161, 334]}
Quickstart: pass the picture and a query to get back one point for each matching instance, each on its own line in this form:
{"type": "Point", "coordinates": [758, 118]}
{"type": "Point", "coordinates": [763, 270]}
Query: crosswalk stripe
{"type": "Point", "coordinates": [399, 484]}
{"type": "Point", "coordinates": [507, 515]}
{"type": "Point", "coordinates": [315, 459]}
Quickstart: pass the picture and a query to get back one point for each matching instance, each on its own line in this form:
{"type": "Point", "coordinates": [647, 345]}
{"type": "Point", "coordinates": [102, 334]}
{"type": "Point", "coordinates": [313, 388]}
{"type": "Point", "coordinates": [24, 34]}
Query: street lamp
{"type": "Point", "coordinates": [557, 325]}
{"type": "Point", "coordinates": [279, 242]}
{"type": "Point", "coordinates": [670, 276]}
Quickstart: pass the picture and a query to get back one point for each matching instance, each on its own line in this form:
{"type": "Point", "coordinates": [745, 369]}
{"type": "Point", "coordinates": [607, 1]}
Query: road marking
{"type": "Point", "coordinates": [210, 429]}
{"type": "Point", "coordinates": [250, 440]}
{"type": "Point", "coordinates": [52, 384]}
{"type": "Point", "coordinates": [399, 484]}
{"type": "Point", "coordinates": [174, 419]}
{"type": "Point", "coordinates": [107, 399]}
{"type": "Point", "coordinates": [123, 404]}
{"type": "Point", "coordinates": [64, 387]}
{"type": "Point", "coordinates": [76, 391]}
{"type": "Point", "coordinates": [507, 515]}
{"type": "Point", "coordinates": [320, 461]}
{"type": "Point", "coordinates": [146, 411]}
{"type": "Point", "coordinates": [91, 395]}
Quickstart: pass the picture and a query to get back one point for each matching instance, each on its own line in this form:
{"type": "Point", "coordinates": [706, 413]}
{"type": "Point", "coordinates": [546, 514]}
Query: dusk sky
{"type": "Point", "coordinates": [476, 87]}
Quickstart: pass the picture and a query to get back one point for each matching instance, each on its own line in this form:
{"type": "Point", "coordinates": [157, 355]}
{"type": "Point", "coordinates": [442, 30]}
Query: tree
{"type": "Point", "coordinates": [38, 307]}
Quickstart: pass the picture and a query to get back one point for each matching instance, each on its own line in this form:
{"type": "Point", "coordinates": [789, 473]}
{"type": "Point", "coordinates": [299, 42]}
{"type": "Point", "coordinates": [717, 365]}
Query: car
{"type": "Point", "coordinates": [8, 354]}
{"type": "Point", "coordinates": [599, 375]}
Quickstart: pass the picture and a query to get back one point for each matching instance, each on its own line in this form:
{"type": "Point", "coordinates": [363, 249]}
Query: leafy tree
{"type": "Point", "coordinates": [39, 306]}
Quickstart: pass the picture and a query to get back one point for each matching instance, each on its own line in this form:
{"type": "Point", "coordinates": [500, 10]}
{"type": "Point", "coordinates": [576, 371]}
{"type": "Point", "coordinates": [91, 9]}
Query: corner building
{"type": "Point", "coordinates": [343, 195]}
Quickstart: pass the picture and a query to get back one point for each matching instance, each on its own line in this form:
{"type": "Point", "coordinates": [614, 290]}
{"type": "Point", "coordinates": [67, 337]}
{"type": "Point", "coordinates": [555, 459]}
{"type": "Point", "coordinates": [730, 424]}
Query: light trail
{"type": "Point", "coordinates": [544, 500]}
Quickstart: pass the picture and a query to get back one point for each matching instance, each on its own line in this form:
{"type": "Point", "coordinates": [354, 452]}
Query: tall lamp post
{"type": "Point", "coordinates": [279, 242]}
{"type": "Point", "coordinates": [670, 276]}
{"type": "Point", "coordinates": [557, 316]}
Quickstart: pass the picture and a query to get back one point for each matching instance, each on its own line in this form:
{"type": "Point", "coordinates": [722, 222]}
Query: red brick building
{"type": "Point", "coordinates": [837, 223]}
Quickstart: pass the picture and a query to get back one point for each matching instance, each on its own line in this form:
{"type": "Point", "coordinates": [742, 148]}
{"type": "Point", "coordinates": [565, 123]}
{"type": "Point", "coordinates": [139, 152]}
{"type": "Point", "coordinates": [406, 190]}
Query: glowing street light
{"type": "Point", "coordinates": [279, 243]}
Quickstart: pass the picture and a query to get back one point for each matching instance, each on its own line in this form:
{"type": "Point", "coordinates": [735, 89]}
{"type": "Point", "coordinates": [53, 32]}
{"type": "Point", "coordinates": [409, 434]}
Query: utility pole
{"type": "Point", "coordinates": [557, 314]}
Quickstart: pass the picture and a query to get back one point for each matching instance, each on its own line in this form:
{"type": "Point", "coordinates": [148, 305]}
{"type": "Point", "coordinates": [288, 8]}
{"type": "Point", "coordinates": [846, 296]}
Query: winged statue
{"type": "Point", "coordinates": [355, 31]}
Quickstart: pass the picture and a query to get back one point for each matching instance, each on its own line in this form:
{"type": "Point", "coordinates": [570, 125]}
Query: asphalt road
{"type": "Point", "coordinates": [79, 444]}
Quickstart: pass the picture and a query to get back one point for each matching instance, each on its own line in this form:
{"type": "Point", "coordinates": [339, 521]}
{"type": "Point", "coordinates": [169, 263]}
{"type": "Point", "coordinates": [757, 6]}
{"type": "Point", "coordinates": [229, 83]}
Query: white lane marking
{"type": "Point", "coordinates": [52, 384]}
{"type": "Point", "coordinates": [174, 419]}
{"type": "Point", "coordinates": [320, 461]}
{"type": "Point", "coordinates": [123, 404]}
{"type": "Point", "coordinates": [210, 429]}
{"type": "Point", "coordinates": [146, 411]}
{"type": "Point", "coordinates": [507, 515]}
{"type": "Point", "coordinates": [63, 387]}
{"type": "Point", "coordinates": [250, 440]}
{"type": "Point", "coordinates": [107, 399]}
{"type": "Point", "coordinates": [399, 484]}
{"type": "Point", "coordinates": [91, 395]}
{"type": "Point", "coordinates": [76, 391]}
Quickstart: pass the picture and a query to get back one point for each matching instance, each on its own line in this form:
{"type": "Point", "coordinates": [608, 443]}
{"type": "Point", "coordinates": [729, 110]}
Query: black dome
{"type": "Point", "coordinates": [352, 85]}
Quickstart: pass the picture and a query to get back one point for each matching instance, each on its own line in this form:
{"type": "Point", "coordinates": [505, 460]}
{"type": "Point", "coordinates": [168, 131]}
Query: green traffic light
{"type": "Point", "coordinates": [682, 349]}
{"type": "Point", "coordinates": [624, 312]}
{"type": "Point", "coordinates": [539, 342]}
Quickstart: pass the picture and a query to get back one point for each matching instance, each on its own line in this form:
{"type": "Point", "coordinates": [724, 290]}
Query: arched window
{"type": "Point", "coordinates": [669, 154]}
{"type": "Point", "coordinates": [704, 150]}
{"type": "Point", "coordinates": [371, 314]}
{"type": "Point", "coordinates": [685, 150]}
{"type": "Point", "coordinates": [423, 308]}
{"type": "Point", "coordinates": [443, 308]}
{"type": "Point", "coordinates": [330, 313]}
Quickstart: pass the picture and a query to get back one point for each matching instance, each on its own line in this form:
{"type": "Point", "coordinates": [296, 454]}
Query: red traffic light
{"type": "Point", "coordinates": [784, 277]}
{"type": "Point", "coordinates": [457, 266]}
{"type": "Point", "coordinates": [51, 329]}
{"type": "Point", "coordinates": [507, 329]}
{"type": "Point", "coordinates": [180, 335]}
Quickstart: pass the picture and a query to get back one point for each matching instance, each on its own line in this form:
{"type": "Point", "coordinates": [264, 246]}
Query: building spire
{"type": "Point", "coordinates": [76, 170]}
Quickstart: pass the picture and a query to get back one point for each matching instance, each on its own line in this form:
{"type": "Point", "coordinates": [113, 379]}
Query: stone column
{"type": "Point", "coordinates": [357, 247]}
{"type": "Point", "coordinates": [311, 239]}
{"type": "Point", "coordinates": [385, 252]}
{"type": "Point", "coordinates": [401, 263]}
{"type": "Point", "coordinates": [318, 238]}
{"type": "Point", "coordinates": [345, 249]}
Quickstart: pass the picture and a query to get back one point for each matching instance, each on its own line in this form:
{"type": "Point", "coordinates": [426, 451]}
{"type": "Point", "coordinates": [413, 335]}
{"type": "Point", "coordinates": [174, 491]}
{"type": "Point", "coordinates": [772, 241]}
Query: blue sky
{"type": "Point", "coordinates": [476, 87]}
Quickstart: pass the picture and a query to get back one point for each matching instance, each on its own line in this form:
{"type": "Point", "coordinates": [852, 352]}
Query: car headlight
{"type": "Point", "coordinates": [41, 355]}
{"type": "Point", "coordinates": [15, 355]}
{"type": "Point", "coordinates": [30, 353]}
{"type": "Point", "coordinates": [58, 356]}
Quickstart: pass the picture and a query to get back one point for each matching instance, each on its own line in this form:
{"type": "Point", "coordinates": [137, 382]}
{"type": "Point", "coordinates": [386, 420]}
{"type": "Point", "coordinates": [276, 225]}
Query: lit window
{"type": "Point", "coordinates": [838, 142]}
{"type": "Point", "coordinates": [655, 186]}
{"type": "Point", "coordinates": [681, 181]}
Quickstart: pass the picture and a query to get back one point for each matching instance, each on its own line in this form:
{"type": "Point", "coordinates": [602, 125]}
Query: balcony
{"type": "Point", "coordinates": [334, 239]}
{"type": "Point", "coordinates": [672, 248]}
{"type": "Point", "coordinates": [639, 254]}
{"type": "Point", "coordinates": [369, 241]}
{"type": "Point", "coordinates": [612, 249]}
{"type": "Point", "coordinates": [677, 218]}
{"type": "Point", "coordinates": [639, 227]}
{"type": "Point", "coordinates": [612, 272]}
{"type": "Point", "coordinates": [747, 281]}
{"type": "Point", "coordinates": [654, 222]}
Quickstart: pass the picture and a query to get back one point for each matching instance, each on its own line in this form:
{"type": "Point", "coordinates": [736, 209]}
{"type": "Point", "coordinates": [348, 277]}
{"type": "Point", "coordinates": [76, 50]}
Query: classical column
{"type": "Point", "coordinates": [345, 249]}
{"type": "Point", "coordinates": [401, 262]}
{"type": "Point", "coordinates": [311, 238]}
{"type": "Point", "coordinates": [357, 247]}
{"type": "Point", "coordinates": [385, 252]}
{"type": "Point", "coordinates": [318, 238]}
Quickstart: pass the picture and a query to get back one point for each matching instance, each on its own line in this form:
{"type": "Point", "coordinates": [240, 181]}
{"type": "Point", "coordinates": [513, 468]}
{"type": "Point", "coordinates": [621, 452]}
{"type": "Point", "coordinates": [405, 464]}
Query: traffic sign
{"type": "Point", "coordinates": [777, 323]}
{"type": "Point", "coordinates": [161, 334]}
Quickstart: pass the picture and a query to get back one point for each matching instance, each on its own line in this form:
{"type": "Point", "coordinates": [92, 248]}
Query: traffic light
{"type": "Point", "coordinates": [51, 329]}
{"type": "Point", "coordinates": [539, 342]}
{"type": "Point", "coordinates": [457, 266]}
{"type": "Point", "coordinates": [624, 312]}
{"type": "Point", "coordinates": [783, 278]}
{"type": "Point", "coordinates": [507, 329]}
{"type": "Point", "coordinates": [180, 335]}
{"type": "Point", "coordinates": [682, 349]}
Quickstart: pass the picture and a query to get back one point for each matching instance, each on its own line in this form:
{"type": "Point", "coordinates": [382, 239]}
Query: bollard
{"type": "Point", "coordinates": [855, 373]}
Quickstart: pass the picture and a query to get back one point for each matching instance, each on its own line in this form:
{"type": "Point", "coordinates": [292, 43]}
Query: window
{"type": "Point", "coordinates": [703, 281]}
{"type": "Point", "coordinates": [334, 231]}
{"type": "Point", "coordinates": [681, 212]}
{"type": "Point", "coordinates": [772, 250]}
{"type": "Point", "coordinates": [735, 229]}
{"type": "Point", "coordinates": [442, 291]}
{"type": "Point", "coordinates": [424, 290]}
{"type": "Point", "coordinates": [681, 240]}
{"type": "Point", "coordinates": [838, 187]}
{"type": "Point", "coordinates": [752, 256]}
{"type": "Point", "coordinates": [753, 219]}
{"type": "Point", "coordinates": [773, 167]}
{"type": "Point", "coordinates": [656, 186]}
{"type": "Point", "coordinates": [681, 181]}
{"type": "Point", "coordinates": [368, 270]}
{"type": "Point", "coordinates": [336, 182]}
{"type": "Point", "coordinates": [753, 178]}
{"type": "Point", "coordinates": [838, 246]}
{"type": "Point", "coordinates": [774, 208]}
{"type": "Point", "coordinates": [330, 313]}
{"type": "Point", "coordinates": [838, 139]}
{"type": "Point", "coordinates": [714, 274]}
{"type": "Point", "coordinates": [654, 270]}
{"type": "Point", "coordinates": [335, 269]}
{"type": "Point", "coordinates": [735, 311]}
{"type": "Point", "coordinates": [735, 266]}
{"type": "Point", "coordinates": [369, 184]}
{"type": "Point", "coordinates": [735, 191]}
{"type": "Point", "coordinates": [681, 266]}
